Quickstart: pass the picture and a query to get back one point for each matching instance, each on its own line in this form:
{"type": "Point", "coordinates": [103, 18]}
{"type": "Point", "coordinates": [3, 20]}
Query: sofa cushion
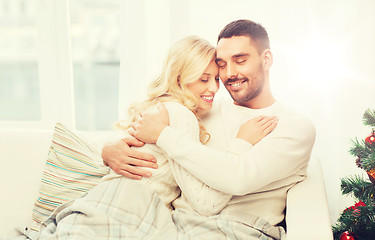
{"type": "Point", "coordinates": [73, 167]}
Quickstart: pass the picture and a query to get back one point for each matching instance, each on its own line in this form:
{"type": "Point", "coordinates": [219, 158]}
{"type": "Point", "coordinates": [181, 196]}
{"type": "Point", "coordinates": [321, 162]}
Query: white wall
{"type": "Point", "coordinates": [323, 62]}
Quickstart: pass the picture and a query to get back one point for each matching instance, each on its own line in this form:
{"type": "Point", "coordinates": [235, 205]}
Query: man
{"type": "Point", "coordinates": [260, 178]}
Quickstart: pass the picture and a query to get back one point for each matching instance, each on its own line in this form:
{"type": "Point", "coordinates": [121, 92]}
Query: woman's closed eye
{"type": "Point", "coordinates": [222, 65]}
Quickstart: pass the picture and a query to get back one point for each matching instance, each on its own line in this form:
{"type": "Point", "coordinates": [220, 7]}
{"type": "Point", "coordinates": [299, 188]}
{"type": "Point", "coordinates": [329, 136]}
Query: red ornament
{"type": "Point", "coordinates": [370, 140]}
{"type": "Point", "coordinates": [348, 236]}
{"type": "Point", "coordinates": [356, 211]}
{"type": "Point", "coordinates": [371, 176]}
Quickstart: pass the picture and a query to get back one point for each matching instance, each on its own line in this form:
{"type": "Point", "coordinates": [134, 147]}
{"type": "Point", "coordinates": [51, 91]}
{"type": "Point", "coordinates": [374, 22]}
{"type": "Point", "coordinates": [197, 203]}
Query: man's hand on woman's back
{"type": "Point", "coordinates": [125, 161]}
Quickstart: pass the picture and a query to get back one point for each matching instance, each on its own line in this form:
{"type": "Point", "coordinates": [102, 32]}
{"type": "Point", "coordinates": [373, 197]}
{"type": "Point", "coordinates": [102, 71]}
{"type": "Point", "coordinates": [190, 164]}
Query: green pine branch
{"type": "Point", "coordinates": [365, 153]}
{"type": "Point", "coordinates": [359, 149]}
{"type": "Point", "coordinates": [369, 118]}
{"type": "Point", "coordinates": [359, 188]}
{"type": "Point", "coordinates": [368, 163]}
{"type": "Point", "coordinates": [360, 221]}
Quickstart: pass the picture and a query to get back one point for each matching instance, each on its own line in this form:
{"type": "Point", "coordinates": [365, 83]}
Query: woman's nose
{"type": "Point", "coordinates": [214, 86]}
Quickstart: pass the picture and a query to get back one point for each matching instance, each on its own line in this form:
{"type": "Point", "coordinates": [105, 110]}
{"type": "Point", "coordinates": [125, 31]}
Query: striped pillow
{"type": "Point", "coordinates": [73, 167]}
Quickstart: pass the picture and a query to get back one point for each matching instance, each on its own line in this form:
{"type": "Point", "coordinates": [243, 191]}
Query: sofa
{"type": "Point", "coordinates": [23, 155]}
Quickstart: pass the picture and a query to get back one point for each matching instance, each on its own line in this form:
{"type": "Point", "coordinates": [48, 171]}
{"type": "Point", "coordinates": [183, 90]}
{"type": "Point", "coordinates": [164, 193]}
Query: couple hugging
{"type": "Point", "coordinates": [193, 167]}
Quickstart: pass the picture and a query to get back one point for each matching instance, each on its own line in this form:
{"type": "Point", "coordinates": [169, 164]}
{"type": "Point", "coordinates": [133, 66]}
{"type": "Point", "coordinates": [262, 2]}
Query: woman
{"type": "Point", "coordinates": [187, 87]}
{"type": "Point", "coordinates": [123, 208]}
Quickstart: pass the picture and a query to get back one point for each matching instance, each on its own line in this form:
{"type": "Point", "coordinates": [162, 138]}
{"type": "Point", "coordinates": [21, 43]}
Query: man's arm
{"type": "Point", "coordinates": [125, 161]}
{"type": "Point", "coordinates": [279, 155]}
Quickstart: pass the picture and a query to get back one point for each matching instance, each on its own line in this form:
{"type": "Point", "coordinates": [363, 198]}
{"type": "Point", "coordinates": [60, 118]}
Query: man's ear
{"type": "Point", "coordinates": [267, 59]}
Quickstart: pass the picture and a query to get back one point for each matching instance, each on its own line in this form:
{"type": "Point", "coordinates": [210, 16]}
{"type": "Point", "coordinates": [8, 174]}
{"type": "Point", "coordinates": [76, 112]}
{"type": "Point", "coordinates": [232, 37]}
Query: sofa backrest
{"type": "Point", "coordinates": [22, 157]}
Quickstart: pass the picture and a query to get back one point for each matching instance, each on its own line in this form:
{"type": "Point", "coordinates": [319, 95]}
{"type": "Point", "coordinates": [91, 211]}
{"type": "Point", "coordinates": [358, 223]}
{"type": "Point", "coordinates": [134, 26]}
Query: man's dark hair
{"type": "Point", "coordinates": [248, 28]}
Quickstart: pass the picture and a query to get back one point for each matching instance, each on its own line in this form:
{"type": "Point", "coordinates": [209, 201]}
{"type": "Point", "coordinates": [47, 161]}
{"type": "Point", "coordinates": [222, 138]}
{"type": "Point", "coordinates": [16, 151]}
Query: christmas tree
{"type": "Point", "coordinates": [358, 222]}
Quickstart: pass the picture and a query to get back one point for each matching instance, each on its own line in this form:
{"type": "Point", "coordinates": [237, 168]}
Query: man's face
{"type": "Point", "coordinates": [241, 68]}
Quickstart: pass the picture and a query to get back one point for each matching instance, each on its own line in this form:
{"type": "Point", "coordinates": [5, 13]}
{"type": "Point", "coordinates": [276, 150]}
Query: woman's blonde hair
{"type": "Point", "coordinates": [186, 61]}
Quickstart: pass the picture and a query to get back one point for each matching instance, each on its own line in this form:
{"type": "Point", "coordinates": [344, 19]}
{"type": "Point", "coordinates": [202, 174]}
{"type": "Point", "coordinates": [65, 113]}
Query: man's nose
{"type": "Point", "coordinates": [231, 71]}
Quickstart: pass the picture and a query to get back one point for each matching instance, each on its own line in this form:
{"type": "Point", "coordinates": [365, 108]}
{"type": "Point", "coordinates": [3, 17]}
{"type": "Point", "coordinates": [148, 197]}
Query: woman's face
{"type": "Point", "coordinates": [206, 87]}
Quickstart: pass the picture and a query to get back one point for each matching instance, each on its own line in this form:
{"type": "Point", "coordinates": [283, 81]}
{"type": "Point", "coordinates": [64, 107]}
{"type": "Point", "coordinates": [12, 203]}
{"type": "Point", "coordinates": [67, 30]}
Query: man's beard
{"type": "Point", "coordinates": [252, 90]}
{"type": "Point", "coordinates": [254, 86]}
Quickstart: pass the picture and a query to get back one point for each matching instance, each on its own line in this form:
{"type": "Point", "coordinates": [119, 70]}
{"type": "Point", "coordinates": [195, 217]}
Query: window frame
{"type": "Point", "coordinates": [55, 63]}
{"type": "Point", "coordinates": [54, 68]}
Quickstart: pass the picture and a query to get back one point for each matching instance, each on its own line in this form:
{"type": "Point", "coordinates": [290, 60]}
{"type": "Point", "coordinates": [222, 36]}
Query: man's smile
{"type": "Point", "coordinates": [236, 85]}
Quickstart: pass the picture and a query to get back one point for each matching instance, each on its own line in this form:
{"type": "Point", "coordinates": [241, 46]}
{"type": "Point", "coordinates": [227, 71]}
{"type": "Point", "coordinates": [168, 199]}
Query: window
{"type": "Point", "coordinates": [59, 61]}
{"type": "Point", "coordinates": [95, 34]}
{"type": "Point", "coordinates": [19, 83]}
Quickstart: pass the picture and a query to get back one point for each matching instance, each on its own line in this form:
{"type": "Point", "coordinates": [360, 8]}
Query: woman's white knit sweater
{"type": "Point", "coordinates": [172, 182]}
